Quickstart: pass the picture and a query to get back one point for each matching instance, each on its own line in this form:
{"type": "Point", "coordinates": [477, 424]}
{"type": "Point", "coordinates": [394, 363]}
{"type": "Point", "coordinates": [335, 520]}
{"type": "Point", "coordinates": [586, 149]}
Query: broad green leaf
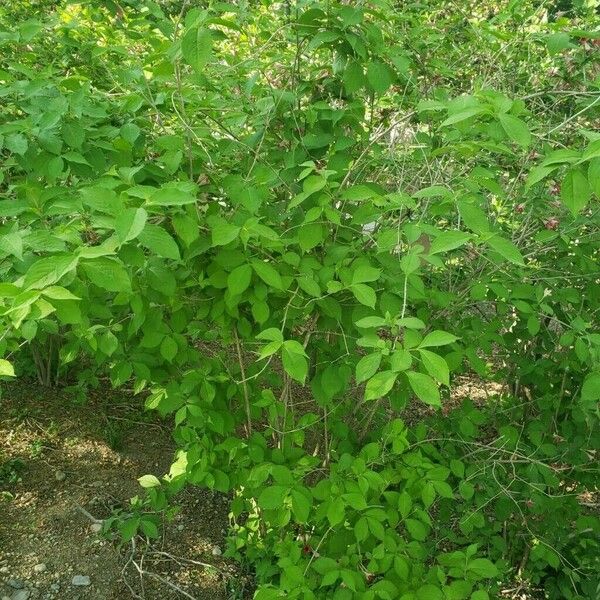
{"type": "Point", "coordinates": [473, 217]}
{"type": "Point", "coordinates": [590, 391]}
{"type": "Point", "coordinates": [224, 233]}
{"type": "Point", "coordinates": [294, 360]}
{"type": "Point", "coordinates": [301, 505]}
{"type": "Point", "coordinates": [404, 504]}
{"type": "Point", "coordinates": [272, 497]}
{"type": "Point", "coordinates": [463, 115]}
{"type": "Point", "coordinates": [354, 77]}
{"type": "Point", "coordinates": [130, 223]}
{"type": "Point", "coordinates": [436, 366]}
{"type": "Point", "coordinates": [374, 321]}
{"type": "Point", "coordinates": [449, 240]}
{"type": "Point", "coordinates": [170, 196]}
{"type": "Point", "coordinates": [239, 279]}
{"type": "Point", "coordinates": [418, 531]}
{"type": "Point", "coordinates": [365, 274]}
{"type": "Point", "coordinates": [482, 568]}
{"type": "Point", "coordinates": [367, 366]}
{"type": "Point", "coordinates": [107, 274]}
{"type": "Point", "coordinates": [364, 294]}
{"type": "Point", "coordinates": [47, 271]}
{"type": "Point", "coordinates": [336, 511]}
{"type": "Point", "coordinates": [186, 228]}
{"type": "Point", "coordinates": [12, 243]}
{"type": "Point", "coordinates": [506, 249]}
{"type": "Point", "coordinates": [575, 191]}
{"type": "Point", "coordinates": [379, 385]}
{"type": "Point", "coordinates": [57, 292]}
{"type": "Point", "coordinates": [168, 348]}
{"type": "Point", "coordinates": [196, 47]}
{"type": "Point", "coordinates": [157, 240]}
{"type": "Point", "coordinates": [537, 174]}
{"type": "Point", "coordinates": [6, 368]}
{"type": "Point", "coordinates": [268, 274]}
{"type": "Point", "coordinates": [424, 388]}
{"type": "Point", "coordinates": [438, 338]}
{"type": "Point", "coordinates": [379, 76]}
{"type": "Point", "coordinates": [149, 481]}
{"type": "Point", "coordinates": [515, 129]}
{"type": "Point", "coordinates": [400, 360]}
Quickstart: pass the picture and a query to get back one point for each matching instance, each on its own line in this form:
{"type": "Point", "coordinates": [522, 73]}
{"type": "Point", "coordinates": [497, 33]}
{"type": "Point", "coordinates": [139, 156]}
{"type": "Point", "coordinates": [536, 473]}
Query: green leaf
{"type": "Point", "coordinates": [515, 129]}
{"type": "Point", "coordinates": [196, 47]}
{"type": "Point", "coordinates": [365, 274]}
{"type": "Point", "coordinates": [224, 233]}
{"type": "Point", "coordinates": [506, 249]}
{"type": "Point", "coordinates": [417, 530]}
{"type": "Point", "coordinates": [436, 366]}
{"type": "Point", "coordinates": [482, 568]}
{"type": "Point", "coordinates": [448, 240]}
{"type": "Point", "coordinates": [107, 274]}
{"type": "Point", "coordinates": [575, 191]}
{"type": "Point", "coordinates": [16, 143]}
{"type": "Point", "coordinates": [186, 228]}
{"type": "Point", "coordinates": [364, 294]}
{"type": "Point", "coordinates": [379, 76]}
{"type": "Point", "coordinates": [590, 390]}
{"type": "Point", "coordinates": [473, 217]}
{"type": "Point", "coordinates": [463, 115]}
{"type": "Point", "coordinates": [168, 348]}
{"type": "Point", "coordinates": [130, 223]}
{"type": "Point", "coordinates": [268, 274]}
{"type": "Point", "coordinates": [157, 240]}
{"type": "Point", "coordinates": [170, 196]}
{"type": "Point", "coordinates": [400, 360]}
{"type": "Point", "coordinates": [6, 368]}
{"type": "Point", "coordinates": [149, 481]}
{"type": "Point", "coordinates": [354, 77]}
{"type": "Point", "coordinates": [367, 366]}
{"type": "Point", "coordinates": [239, 279]}
{"type": "Point", "coordinates": [336, 511]}
{"type": "Point", "coordinates": [424, 387]}
{"type": "Point", "coordinates": [272, 497]}
{"type": "Point", "coordinates": [379, 385]}
{"type": "Point", "coordinates": [437, 338]}
{"type": "Point", "coordinates": [313, 184]}
{"type": "Point", "coordinates": [12, 243]}
{"type": "Point", "coordinates": [149, 529]}
{"type": "Point", "coordinates": [57, 292]}
{"type": "Point", "coordinates": [404, 504]}
{"type": "Point", "coordinates": [294, 360]}
{"type": "Point", "coordinates": [368, 322]}
{"type": "Point", "coordinates": [301, 505]}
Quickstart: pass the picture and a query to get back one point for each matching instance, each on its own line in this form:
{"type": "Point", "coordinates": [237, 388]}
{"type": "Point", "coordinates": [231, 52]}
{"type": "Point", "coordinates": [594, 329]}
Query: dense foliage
{"type": "Point", "coordinates": [291, 226]}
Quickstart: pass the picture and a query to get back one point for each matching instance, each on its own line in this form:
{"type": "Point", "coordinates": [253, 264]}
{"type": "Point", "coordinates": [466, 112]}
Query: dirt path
{"type": "Point", "coordinates": [56, 456]}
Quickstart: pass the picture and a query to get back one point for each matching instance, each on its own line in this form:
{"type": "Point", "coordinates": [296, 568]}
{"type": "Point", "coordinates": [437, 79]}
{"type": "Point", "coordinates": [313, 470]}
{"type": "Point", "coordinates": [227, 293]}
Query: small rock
{"type": "Point", "coordinates": [20, 595]}
{"type": "Point", "coordinates": [96, 527]}
{"type": "Point", "coordinates": [4, 570]}
{"type": "Point", "coordinates": [60, 475]}
{"type": "Point", "coordinates": [39, 568]}
{"type": "Point", "coordinates": [180, 527]}
{"type": "Point", "coordinates": [16, 584]}
{"type": "Point", "coordinates": [55, 587]}
{"type": "Point", "coordinates": [216, 551]}
{"type": "Point", "coordinates": [81, 580]}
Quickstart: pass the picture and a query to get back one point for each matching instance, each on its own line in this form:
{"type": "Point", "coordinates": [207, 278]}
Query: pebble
{"type": "Point", "coordinates": [20, 595]}
{"type": "Point", "coordinates": [216, 551]}
{"type": "Point", "coordinates": [60, 475]}
{"type": "Point", "coordinates": [180, 527]}
{"type": "Point", "coordinates": [39, 568]}
{"type": "Point", "coordinates": [55, 587]}
{"type": "Point", "coordinates": [4, 570]}
{"type": "Point", "coordinates": [80, 580]}
{"type": "Point", "coordinates": [96, 527]}
{"type": "Point", "coordinates": [16, 584]}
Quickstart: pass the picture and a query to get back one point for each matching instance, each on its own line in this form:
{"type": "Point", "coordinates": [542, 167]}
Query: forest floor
{"type": "Point", "coordinates": [58, 457]}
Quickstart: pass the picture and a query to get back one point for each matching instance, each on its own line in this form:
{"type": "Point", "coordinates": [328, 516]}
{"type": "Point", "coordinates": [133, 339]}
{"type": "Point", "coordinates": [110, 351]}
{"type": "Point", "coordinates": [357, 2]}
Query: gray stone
{"type": "Point", "coordinates": [216, 551]}
{"type": "Point", "coordinates": [60, 475]}
{"type": "Point", "coordinates": [16, 584]}
{"type": "Point", "coordinates": [96, 527]}
{"type": "Point", "coordinates": [20, 595]}
{"type": "Point", "coordinates": [81, 580]}
{"type": "Point", "coordinates": [4, 570]}
{"type": "Point", "coordinates": [39, 568]}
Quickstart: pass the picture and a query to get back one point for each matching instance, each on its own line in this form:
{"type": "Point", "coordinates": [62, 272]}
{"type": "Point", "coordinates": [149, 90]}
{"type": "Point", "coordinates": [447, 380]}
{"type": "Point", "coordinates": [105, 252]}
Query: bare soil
{"type": "Point", "coordinates": [58, 457]}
